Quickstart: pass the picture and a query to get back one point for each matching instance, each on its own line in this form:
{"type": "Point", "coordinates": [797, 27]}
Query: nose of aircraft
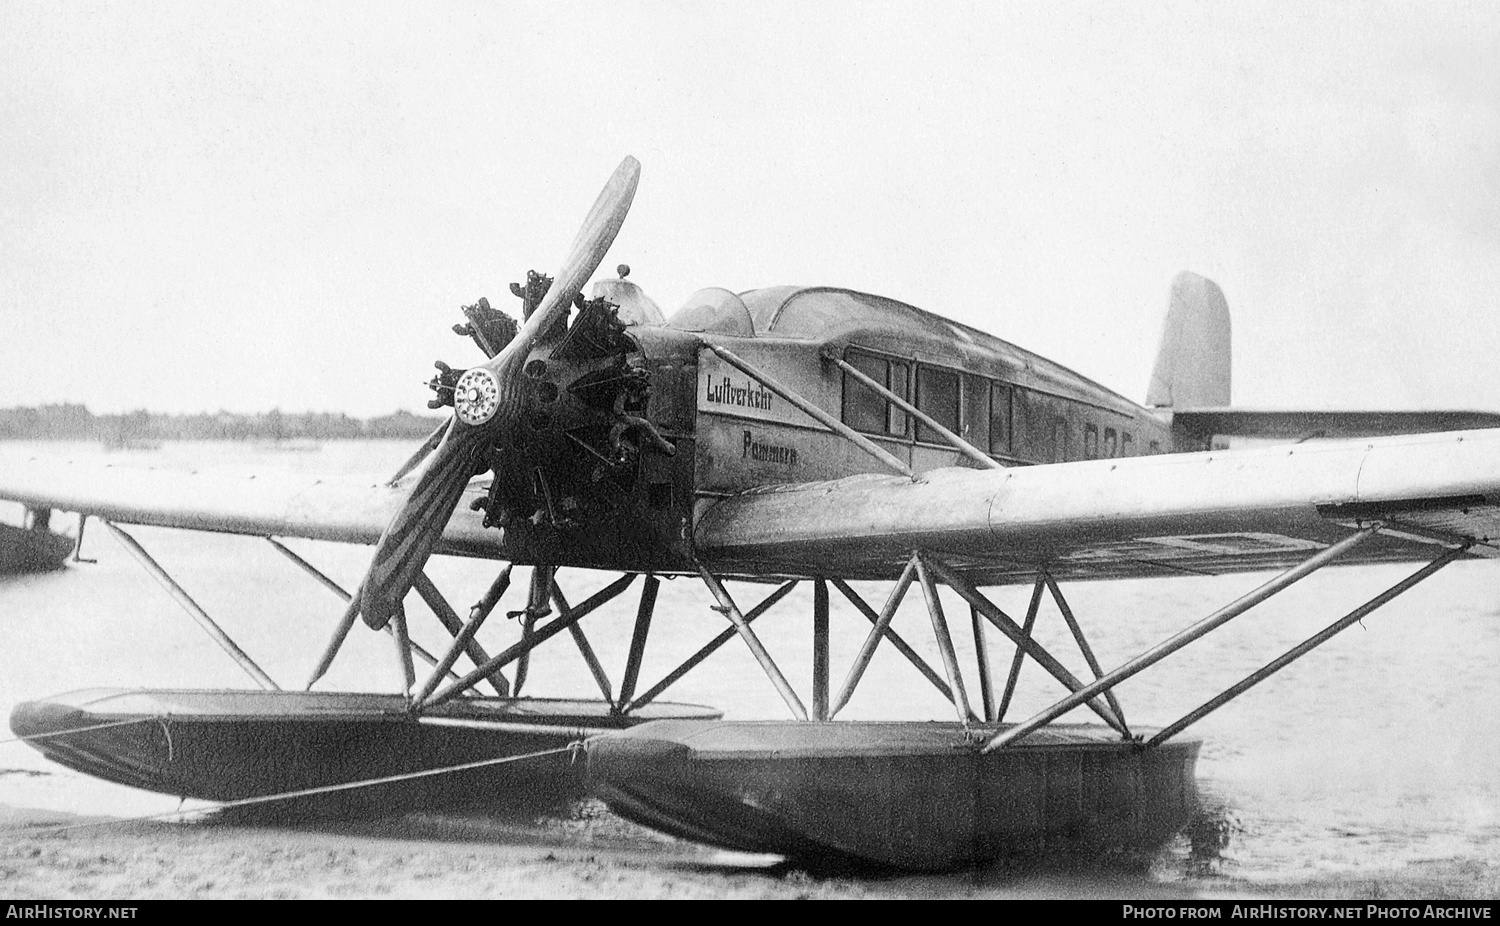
{"type": "Point", "coordinates": [488, 401]}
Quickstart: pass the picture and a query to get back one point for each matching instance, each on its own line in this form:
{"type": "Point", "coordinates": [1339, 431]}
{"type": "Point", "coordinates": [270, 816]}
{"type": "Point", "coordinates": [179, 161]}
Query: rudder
{"type": "Point", "coordinates": [1192, 364]}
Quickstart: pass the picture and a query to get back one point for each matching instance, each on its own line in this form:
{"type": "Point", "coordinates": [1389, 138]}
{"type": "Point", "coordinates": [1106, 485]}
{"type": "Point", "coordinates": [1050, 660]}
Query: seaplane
{"type": "Point", "coordinates": [757, 440]}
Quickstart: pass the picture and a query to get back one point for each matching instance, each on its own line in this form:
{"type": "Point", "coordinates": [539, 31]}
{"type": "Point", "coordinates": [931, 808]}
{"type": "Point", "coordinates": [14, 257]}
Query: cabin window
{"type": "Point", "coordinates": [999, 418]}
{"type": "Point", "coordinates": [1090, 442]}
{"type": "Point", "coordinates": [896, 420]}
{"type": "Point", "coordinates": [1127, 444]}
{"type": "Point", "coordinates": [1060, 451]}
{"type": "Point", "coordinates": [864, 408]}
{"type": "Point", "coordinates": [976, 412]}
{"type": "Point", "coordinates": [1111, 444]}
{"type": "Point", "coordinates": [937, 396]}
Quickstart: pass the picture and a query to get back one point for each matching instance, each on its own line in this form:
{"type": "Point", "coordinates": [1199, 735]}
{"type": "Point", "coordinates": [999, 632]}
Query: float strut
{"type": "Point", "coordinates": [643, 616]}
{"type": "Point", "coordinates": [1008, 627]}
{"type": "Point", "coordinates": [709, 648]}
{"type": "Point", "coordinates": [600, 678]}
{"type": "Point", "coordinates": [83, 520]}
{"type": "Point", "coordinates": [1311, 643]}
{"type": "Point", "coordinates": [820, 649]}
{"type": "Point", "coordinates": [477, 616]}
{"type": "Point", "coordinates": [345, 622]}
{"type": "Point", "coordinates": [1083, 644]}
{"type": "Point", "coordinates": [351, 611]}
{"type": "Point", "coordinates": [186, 602]}
{"type": "Point", "coordinates": [535, 639]}
{"type": "Point", "coordinates": [1163, 650]}
{"type": "Point", "coordinates": [742, 627]}
{"type": "Point", "coordinates": [536, 609]}
{"type": "Point", "coordinates": [905, 649]}
{"type": "Point", "coordinates": [882, 621]}
{"type": "Point", "coordinates": [944, 642]}
{"type": "Point", "coordinates": [403, 649]}
{"type": "Point", "coordinates": [982, 657]}
{"type": "Point", "coordinates": [1014, 677]}
{"type": "Point", "coordinates": [455, 628]}
{"type": "Point", "coordinates": [492, 595]}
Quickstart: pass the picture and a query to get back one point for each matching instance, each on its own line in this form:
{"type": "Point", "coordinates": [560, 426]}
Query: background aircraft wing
{"type": "Point", "coordinates": [339, 508]}
{"type": "Point", "coordinates": [1198, 513]}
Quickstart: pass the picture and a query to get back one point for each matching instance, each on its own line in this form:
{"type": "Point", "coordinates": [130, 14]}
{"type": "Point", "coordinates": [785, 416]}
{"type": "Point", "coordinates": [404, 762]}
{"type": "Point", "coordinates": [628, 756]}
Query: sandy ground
{"type": "Point", "coordinates": [590, 854]}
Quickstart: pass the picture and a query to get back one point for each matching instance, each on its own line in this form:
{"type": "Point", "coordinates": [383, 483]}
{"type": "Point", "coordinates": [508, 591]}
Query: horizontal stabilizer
{"type": "Point", "coordinates": [1306, 425]}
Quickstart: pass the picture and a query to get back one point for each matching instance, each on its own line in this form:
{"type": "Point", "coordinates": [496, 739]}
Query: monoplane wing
{"type": "Point", "coordinates": [1179, 514]}
{"type": "Point", "coordinates": [341, 508]}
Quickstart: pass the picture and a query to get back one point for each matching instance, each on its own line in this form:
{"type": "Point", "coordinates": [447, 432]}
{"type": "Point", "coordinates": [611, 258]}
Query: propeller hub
{"type": "Point", "coordinates": [476, 396]}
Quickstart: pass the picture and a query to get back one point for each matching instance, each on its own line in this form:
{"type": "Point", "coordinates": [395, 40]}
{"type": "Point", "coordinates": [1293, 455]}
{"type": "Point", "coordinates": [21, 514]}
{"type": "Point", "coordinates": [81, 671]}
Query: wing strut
{"type": "Point", "coordinates": [1306, 646]}
{"type": "Point", "coordinates": [1161, 651]}
{"type": "Point", "coordinates": [958, 443]}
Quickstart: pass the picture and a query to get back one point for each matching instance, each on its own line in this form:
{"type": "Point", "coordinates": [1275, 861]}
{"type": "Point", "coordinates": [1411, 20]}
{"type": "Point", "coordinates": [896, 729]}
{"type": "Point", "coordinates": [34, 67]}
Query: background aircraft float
{"type": "Point", "coordinates": [788, 434]}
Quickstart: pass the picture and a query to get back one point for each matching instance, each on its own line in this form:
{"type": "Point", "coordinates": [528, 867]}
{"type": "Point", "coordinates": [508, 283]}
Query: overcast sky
{"type": "Point", "coordinates": [257, 205]}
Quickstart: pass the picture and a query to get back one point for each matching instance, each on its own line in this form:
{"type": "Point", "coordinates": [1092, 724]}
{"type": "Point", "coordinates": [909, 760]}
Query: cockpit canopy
{"type": "Point", "coordinates": [714, 309]}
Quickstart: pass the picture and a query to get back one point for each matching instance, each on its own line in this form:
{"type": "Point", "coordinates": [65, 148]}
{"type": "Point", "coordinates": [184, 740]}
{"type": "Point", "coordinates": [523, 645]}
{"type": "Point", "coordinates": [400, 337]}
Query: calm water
{"type": "Point", "coordinates": [1374, 757]}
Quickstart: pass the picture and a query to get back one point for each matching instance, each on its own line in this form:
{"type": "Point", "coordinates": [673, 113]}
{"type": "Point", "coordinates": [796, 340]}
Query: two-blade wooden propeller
{"type": "Point", "coordinates": [487, 405]}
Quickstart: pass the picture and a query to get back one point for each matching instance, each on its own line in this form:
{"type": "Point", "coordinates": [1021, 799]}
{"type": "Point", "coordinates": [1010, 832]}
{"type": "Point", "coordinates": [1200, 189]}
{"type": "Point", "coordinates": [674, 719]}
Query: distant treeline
{"type": "Point", "coordinates": [76, 422]}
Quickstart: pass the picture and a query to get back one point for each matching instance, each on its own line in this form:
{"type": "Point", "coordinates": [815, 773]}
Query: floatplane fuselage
{"type": "Point", "coordinates": [624, 448]}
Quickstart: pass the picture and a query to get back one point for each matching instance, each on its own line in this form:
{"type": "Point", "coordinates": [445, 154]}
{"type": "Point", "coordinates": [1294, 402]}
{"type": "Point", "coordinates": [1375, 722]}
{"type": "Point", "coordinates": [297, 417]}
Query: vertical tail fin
{"type": "Point", "coordinates": [1192, 363]}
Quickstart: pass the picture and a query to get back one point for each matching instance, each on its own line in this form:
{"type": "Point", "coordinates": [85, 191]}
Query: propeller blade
{"type": "Point", "coordinates": [589, 247]}
{"type": "Point", "coordinates": [415, 529]}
